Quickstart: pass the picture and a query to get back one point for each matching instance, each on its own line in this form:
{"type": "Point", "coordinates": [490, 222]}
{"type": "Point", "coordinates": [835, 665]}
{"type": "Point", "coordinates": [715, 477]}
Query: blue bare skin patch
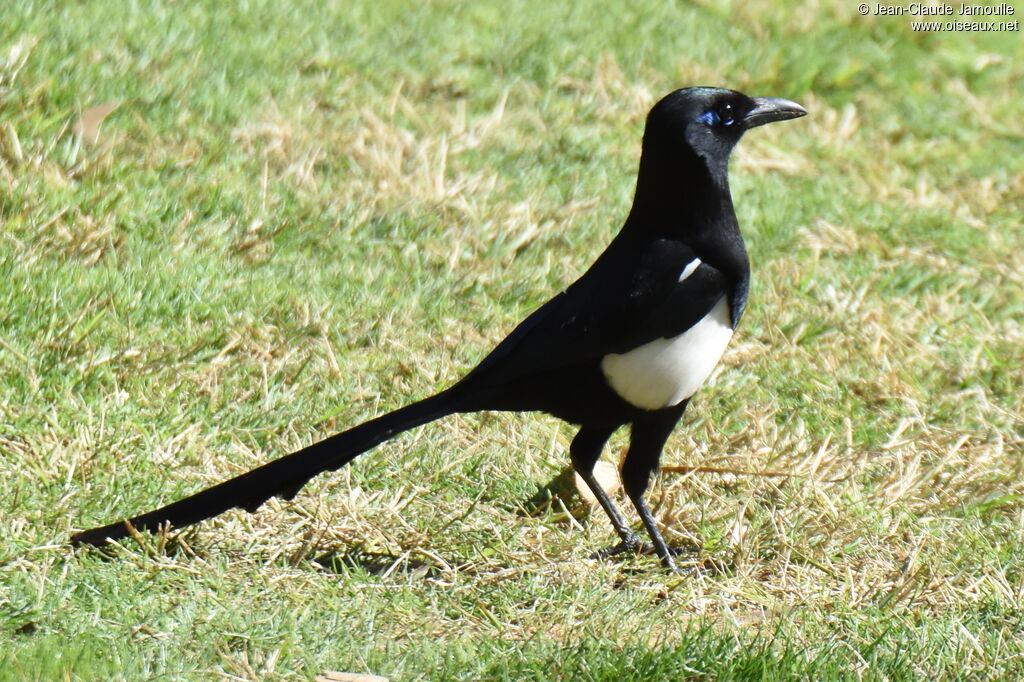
{"type": "Point", "coordinates": [709, 117]}
{"type": "Point", "coordinates": [712, 117]}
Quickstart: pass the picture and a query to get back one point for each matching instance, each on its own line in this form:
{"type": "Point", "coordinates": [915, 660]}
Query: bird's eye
{"type": "Point", "coordinates": [722, 115]}
{"type": "Point", "coordinates": [725, 114]}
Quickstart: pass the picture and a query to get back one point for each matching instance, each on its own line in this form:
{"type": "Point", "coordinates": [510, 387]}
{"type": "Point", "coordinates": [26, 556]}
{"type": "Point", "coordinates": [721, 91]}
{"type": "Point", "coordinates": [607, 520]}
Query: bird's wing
{"type": "Point", "coordinates": [621, 303]}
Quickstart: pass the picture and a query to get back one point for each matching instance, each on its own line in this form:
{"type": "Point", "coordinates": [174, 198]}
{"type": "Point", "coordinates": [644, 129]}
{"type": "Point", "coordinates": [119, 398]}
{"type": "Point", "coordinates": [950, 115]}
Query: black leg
{"type": "Point", "coordinates": [647, 439]}
{"type": "Point", "coordinates": [585, 451]}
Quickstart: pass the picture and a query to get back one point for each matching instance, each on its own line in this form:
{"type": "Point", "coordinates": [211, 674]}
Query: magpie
{"type": "Point", "coordinates": [628, 343]}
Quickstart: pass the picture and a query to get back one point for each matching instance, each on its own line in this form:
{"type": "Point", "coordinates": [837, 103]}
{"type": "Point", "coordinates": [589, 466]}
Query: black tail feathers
{"type": "Point", "coordinates": [282, 477]}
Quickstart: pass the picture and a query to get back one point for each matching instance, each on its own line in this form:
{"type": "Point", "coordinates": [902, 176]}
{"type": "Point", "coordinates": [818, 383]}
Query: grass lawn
{"type": "Point", "coordinates": [230, 229]}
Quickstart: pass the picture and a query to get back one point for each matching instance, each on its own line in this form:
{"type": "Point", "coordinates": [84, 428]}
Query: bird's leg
{"type": "Point", "coordinates": [660, 546]}
{"type": "Point", "coordinates": [629, 538]}
{"type": "Point", "coordinates": [585, 451]}
{"type": "Point", "coordinates": [647, 439]}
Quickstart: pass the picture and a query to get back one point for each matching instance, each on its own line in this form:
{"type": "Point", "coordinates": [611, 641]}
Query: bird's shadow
{"type": "Point", "coordinates": [343, 560]}
{"type": "Point", "coordinates": [337, 560]}
{"type": "Point", "coordinates": [558, 496]}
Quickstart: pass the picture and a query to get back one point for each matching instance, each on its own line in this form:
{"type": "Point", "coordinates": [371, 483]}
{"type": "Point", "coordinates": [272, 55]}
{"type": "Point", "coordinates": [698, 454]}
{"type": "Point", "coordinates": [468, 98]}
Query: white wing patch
{"type": "Point", "coordinates": [690, 268]}
{"type": "Point", "coordinates": [665, 372]}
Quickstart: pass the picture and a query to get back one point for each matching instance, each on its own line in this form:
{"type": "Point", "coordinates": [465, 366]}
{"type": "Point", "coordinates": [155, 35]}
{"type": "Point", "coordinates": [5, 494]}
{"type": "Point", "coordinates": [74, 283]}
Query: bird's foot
{"type": "Point", "coordinates": [634, 545]}
{"type": "Point", "coordinates": [631, 545]}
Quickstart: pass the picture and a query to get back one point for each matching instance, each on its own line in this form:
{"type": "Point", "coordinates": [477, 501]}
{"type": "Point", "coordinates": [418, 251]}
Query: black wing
{"type": "Point", "coordinates": [629, 297]}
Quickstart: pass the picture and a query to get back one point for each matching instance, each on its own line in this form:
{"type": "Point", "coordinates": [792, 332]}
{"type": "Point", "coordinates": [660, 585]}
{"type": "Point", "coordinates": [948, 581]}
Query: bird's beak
{"type": "Point", "coordinates": [771, 109]}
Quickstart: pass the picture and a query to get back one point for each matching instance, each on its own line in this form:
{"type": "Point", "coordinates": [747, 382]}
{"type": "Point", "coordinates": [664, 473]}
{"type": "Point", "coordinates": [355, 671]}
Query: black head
{"type": "Point", "coordinates": [710, 121]}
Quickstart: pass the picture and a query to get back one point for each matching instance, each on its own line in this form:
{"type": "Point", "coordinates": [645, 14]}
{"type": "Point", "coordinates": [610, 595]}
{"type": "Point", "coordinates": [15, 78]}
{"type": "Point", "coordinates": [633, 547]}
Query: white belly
{"type": "Point", "coordinates": [665, 372]}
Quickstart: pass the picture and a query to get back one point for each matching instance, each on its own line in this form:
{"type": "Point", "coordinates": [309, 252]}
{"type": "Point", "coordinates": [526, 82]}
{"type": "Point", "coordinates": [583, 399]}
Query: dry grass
{"type": "Point", "coordinates": [210, 275]}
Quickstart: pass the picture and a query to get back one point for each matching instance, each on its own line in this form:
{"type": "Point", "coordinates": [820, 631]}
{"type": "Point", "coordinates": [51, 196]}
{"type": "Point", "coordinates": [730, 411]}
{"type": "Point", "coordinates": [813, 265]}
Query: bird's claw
{"type": "Point", "coordinates": [638, 547]}
{"type": "Point", "coordinates": [624, 547]}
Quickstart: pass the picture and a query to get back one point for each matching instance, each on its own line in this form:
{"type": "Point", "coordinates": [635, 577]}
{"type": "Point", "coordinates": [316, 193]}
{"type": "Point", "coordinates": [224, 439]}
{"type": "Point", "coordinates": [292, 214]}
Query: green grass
{"type": "Point", "coordinates": [303, 214]}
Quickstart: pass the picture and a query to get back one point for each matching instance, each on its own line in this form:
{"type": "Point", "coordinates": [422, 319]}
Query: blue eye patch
{"type": "Point", "coordinates": [709, 117]}
{"type": "Point", "coordinates": [712, 117]}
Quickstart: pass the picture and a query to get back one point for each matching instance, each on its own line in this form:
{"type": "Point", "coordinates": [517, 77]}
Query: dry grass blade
{"type": "Point", "coordinates": [87, 127]}
{"type": "Point", "coordinates": [333, 676]}
{"type": "Point", "coordinates": [743, 472]}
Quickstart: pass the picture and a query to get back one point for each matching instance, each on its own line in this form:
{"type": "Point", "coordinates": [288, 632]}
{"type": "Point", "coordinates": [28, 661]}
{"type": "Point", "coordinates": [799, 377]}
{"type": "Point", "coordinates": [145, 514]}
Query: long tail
{"type": "Point", "coordinates": [284, 476]}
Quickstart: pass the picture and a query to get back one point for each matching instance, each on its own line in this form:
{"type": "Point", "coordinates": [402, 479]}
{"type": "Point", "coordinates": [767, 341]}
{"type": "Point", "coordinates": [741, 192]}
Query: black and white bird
{"type": "Point", "coordinates": [629, 342]}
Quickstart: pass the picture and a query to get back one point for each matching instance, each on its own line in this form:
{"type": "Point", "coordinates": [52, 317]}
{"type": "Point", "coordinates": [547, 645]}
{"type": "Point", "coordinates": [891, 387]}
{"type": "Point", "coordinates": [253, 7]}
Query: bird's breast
{"type": "Point", "coordinates": [665, 372]}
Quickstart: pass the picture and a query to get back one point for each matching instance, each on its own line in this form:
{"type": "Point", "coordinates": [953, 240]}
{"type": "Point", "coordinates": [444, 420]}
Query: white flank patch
{"type": "Point", "coordinates": [665, 372]}
{"type": "Point", "coordinates": [689, 269]}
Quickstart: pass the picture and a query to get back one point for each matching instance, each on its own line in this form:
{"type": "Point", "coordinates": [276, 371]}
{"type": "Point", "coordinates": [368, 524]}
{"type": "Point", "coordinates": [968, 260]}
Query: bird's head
{"type": "Point", "coordinates": [710, 121]}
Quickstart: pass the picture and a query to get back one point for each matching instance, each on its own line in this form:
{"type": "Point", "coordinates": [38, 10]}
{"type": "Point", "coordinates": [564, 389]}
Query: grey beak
{"type": "Point", "coordinates": [771, 109]}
